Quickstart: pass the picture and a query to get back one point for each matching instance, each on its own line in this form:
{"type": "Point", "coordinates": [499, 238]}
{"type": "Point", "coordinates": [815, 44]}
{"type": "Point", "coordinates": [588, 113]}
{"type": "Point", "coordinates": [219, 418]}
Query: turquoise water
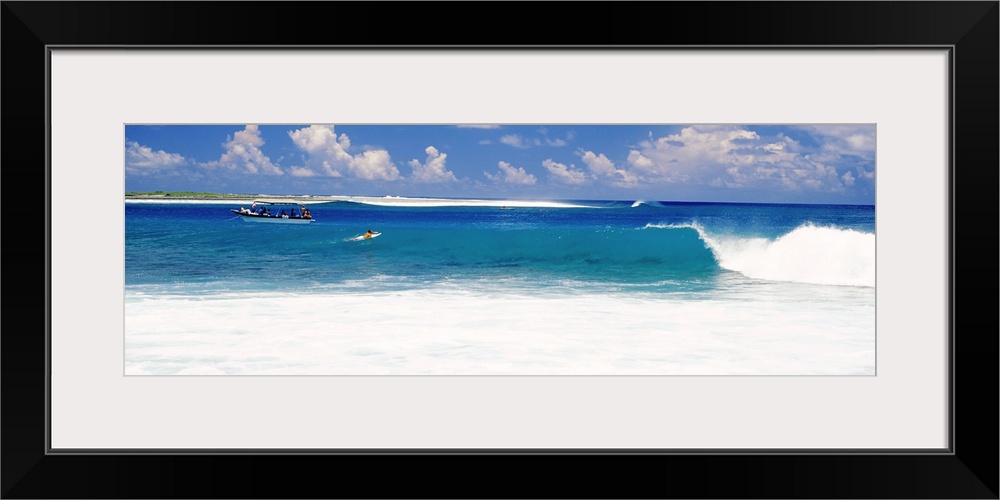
{"type": "Point", "coordinates": [650, 247]}
{"type": "Point", "coordinates": [459, 288]}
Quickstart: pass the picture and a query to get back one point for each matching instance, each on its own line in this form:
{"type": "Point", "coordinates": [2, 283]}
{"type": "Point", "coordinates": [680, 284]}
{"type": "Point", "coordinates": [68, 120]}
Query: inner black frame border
{"type": "Point", "coordinates": [968, 469]}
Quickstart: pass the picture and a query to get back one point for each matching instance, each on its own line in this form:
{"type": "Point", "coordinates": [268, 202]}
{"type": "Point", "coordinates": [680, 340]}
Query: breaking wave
{"type": "Point", "coordinates": [807, 254]}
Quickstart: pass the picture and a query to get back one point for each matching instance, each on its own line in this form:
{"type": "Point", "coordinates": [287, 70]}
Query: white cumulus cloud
{"type": "Point", "coordinates": [601, 166]}
{"type": "Point", "coordinates": [331, 155]}
{"type": "Point", "coordinates": [374, 164]}
{"type": "Point", "coordinates": [565, 174]}
{"type": "Point", "coordinates": [521, 142]}
{"type": "Point", "coordinates": [243, 154]}
{"type": "Point", "coordinates": [640, 162]}
{"type": "Point", "coordinates": [433, 168]}
{"type": "Point", "coordinates": [517, 141]}
{"type": "Point", "coordinates": [848, 179]}
{"type": "Point", "coordinates": [301, 172]}
{"type": "Point", "coordinates": [735, 157]}
{"type": "Point", "coordinates": [139, 157]}
{"type": "Point", "coordinates": [852, 140]}
{"type": "Point", "coordinates": [511, 175]}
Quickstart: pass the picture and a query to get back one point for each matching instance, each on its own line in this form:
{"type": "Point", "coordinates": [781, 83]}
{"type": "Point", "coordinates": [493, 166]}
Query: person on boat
{"type": "Point", "coordinates": [368, 234]}
{"type": "Point", "coordinates": [305, 213]}
{"type": "Point", "coordinates": [243, 210]}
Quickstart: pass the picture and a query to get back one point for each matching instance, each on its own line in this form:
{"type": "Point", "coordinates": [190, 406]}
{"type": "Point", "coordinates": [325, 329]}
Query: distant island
{"type": "Point", "coordinates": [199, 195]}
{"type": "Point", "coordinates": [209, 196]}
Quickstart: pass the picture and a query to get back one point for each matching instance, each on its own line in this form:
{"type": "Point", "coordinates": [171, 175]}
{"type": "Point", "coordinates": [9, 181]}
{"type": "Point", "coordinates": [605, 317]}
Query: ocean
{"type": "Point", "coordinates": [494, 287]}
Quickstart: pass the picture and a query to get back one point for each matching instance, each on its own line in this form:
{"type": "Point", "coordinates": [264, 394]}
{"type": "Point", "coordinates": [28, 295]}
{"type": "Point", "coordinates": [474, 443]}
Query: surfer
{"type": "Point", "coordinates": [368, 235]}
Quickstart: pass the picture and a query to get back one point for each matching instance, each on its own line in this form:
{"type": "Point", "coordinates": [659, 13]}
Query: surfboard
{"type": "Point", "coordinates": [361, 237]}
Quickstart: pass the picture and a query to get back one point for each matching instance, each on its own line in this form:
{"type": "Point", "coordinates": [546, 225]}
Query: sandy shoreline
{"type": "Point", "coordinates": [239, 198]}
{"type": "Point", "coordinates": [369, 200]}
{"type": "Point", "coordinates": [235, 201]}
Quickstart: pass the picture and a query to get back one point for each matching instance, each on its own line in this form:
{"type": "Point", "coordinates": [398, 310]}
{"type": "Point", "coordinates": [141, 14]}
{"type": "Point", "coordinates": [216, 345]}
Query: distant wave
{"type": "Point", "coordinates": [399, 201]}
{"type": "Point", "coordinates": [807, 254]}
{"type": "Point", "coordinates": [647, 203]}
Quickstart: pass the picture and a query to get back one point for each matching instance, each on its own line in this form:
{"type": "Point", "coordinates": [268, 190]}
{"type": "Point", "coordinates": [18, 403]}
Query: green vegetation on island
{"type": "Point", "coordinates": [209, 196]}
{"type": "Point", "coordinates": [186, 194]}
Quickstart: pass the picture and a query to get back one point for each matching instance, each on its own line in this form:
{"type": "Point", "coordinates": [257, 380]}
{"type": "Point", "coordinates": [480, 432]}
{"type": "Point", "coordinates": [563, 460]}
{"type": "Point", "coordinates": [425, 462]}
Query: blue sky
{"type": "Point", "coordinates": [724, 163]}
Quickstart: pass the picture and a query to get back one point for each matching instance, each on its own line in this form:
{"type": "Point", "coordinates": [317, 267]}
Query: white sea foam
{"type": "Point", "coordinates": [398, 201]}
{"type": "Point", "coordinates": [808, 254]}
{"type": "Point", "coordinates": [647, 202]}
{"type": "Point", "coordinates": [782, 329]}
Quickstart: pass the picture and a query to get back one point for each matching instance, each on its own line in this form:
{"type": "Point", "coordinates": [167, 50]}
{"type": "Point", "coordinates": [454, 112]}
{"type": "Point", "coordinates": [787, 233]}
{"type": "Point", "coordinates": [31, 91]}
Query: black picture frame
{"type": "Point", "coordinates": [969, 470]}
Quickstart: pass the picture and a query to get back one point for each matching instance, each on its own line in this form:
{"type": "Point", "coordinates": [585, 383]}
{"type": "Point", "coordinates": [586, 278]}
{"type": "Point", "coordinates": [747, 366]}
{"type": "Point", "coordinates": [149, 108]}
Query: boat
{"type": "Point", "coordinates": [262, 212]}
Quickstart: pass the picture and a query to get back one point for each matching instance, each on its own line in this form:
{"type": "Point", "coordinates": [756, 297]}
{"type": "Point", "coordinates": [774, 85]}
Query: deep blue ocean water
{"type": "Point", "coordinates": [470, 288]}
{"type": "Point", "coordinates": [624, 245]}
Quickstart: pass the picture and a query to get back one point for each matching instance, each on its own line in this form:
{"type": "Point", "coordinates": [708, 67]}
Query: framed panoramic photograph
{"type": "Point", "coordinates": [514, 250]}
{"type": "Point", "coordinates": [690, 259]}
